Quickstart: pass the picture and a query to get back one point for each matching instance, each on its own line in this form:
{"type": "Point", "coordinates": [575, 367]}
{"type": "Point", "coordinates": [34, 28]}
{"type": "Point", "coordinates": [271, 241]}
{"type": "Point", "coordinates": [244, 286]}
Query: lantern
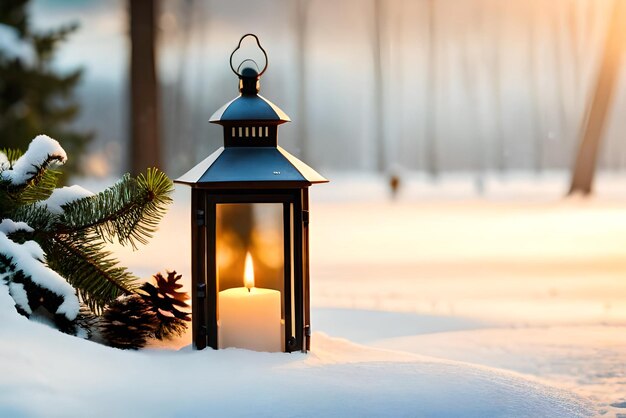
{"type": "Point", "coordinates": [250, 229]}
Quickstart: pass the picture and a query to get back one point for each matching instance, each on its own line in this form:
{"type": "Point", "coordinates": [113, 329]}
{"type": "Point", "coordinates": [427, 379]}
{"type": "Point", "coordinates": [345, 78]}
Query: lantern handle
{"type": "Point", "coordinates": [232, 67]}
{"type": "Point", "coordinates": [248, 60]}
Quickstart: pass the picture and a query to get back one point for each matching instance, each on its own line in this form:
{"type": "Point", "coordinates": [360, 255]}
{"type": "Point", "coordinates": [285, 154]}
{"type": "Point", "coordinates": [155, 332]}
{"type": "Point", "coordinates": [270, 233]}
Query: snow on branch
{"type": "Point", "coordinates": [41, 152]}
{"type": "Point", "coordinates": [4, 162]}
{"type": "Point", "coordinates": [8, 226]}
{"type": "Point", "coordinates": [19, 295]}
{"type": "Point", "coordinates": [63, 196]}
{"type": "Point", "coordinates": [29, 259]}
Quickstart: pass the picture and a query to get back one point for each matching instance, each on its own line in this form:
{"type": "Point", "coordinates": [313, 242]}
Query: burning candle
{"type": "Point", "coordinates": [249, 317]}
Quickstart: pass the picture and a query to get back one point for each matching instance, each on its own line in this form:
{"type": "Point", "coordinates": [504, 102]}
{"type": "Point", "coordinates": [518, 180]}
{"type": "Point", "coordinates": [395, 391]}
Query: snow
{"type": "Point", "coordinates": [4, 162]}
{"type": "Point", "coordinates": [48, 374]}
{"type": "Point", "coordinates": [438, 304]}
{"type": "Point", "coordinates": [39, 150]}
{"type": "Point", "coordinates": [17, 292]}
{"type": "Point", "coordinates": [62, 196]}
{"type": "Point", "coordinates": [29, 257]}
{"type": "Point", "coordinates": [9, 226]}
{"type": "Point", "coordinates": [587, 358]}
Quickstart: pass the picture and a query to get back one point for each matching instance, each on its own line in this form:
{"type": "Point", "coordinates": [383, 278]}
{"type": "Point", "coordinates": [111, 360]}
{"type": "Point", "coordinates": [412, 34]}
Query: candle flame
{"type": "Point", "coordinates": [248, 272]}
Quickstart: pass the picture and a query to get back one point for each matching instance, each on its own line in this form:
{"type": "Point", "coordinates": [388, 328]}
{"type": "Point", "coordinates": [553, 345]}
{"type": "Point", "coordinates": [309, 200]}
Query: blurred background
{"type": "Point", "coordinates": [479, 87]}
{"type": "Point", "coordinates": [451, 131]}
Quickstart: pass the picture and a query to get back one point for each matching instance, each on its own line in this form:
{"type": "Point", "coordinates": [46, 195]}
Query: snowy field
{"type": "Point", "coordinates": [440, 303]}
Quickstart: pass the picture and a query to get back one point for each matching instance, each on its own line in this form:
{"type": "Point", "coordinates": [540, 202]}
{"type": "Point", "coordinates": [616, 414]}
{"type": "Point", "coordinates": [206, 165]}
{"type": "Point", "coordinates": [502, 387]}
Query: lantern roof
{"type": "Point", "coordinates": [245, 165]}
{"type": "Point", "coordinates": [250, 156]}
{"type": "Point", "coordinates": [249, 107]}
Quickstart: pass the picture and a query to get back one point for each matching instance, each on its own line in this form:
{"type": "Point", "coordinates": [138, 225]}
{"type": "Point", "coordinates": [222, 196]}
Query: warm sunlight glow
{"type": "Point", "coordinates": [248, 272]}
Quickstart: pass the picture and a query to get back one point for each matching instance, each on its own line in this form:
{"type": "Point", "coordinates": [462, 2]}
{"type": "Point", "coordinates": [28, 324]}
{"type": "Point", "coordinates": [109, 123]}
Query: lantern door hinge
{"type": "Point", "coordinates": [305, 218]}
{"type": "Point", "coordinates": [200, 217]}
{"type": "Point", "coordinates": [201, 290]}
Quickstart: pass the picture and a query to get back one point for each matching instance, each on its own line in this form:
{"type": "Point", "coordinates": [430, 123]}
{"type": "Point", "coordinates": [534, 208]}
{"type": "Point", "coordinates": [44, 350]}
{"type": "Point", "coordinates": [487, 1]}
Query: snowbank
{"type": "Point", "coordinates": [49, 374]}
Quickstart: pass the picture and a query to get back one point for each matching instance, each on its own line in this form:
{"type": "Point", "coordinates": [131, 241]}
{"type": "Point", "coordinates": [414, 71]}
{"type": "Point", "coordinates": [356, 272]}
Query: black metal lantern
{"type": "Point", "coordinates": [250, 239]}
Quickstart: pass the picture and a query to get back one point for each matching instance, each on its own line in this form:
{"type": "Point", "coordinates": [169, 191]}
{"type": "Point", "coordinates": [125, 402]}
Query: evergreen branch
{"type": "Point", "coordinates": [28, 177]}
{"type": "Point", "coordinates": [7, 204]}
{"type": "Point", "coordinates": [29, 296]}
{"type": "Point", "coordinates": [37, 217]}
{"type": "Point", "coordinates": [129, 210]}
{"type": "Point", "coordinates": [90, 269]}
{"type": "Point", "coordinates": [34, 174]}
{"type": "Point", "coordinates": [46, 43]}
{"type": "Point", "coordinates": [39, 188]}
{"type": "Point", "coordinates": [32, 283]}
{"type": "Point", "coordinates": [12, 155]}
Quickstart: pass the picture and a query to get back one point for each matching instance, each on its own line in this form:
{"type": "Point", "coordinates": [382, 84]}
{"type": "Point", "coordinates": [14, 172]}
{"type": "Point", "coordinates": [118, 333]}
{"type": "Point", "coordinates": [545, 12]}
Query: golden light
{"type": "Point", "coordinates": [248, 272]}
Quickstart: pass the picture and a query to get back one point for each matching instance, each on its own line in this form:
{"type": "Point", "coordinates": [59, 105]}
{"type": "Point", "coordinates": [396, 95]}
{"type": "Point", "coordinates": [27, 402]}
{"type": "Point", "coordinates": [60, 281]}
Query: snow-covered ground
{"type": "Point", "coordinates": [437, 304]}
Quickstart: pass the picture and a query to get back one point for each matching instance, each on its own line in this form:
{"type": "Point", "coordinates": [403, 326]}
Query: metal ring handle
{"type": "Point", "coordinates": [232, 67]}
{"type": "Point", "coordinates": [248, 60]}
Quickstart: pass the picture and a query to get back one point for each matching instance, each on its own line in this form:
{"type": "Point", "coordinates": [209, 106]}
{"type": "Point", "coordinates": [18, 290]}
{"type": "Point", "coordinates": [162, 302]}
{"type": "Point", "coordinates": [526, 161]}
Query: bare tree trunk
{"type": "Point", "coordinates": [564, 132]}
{"type": "Point", "coordinates": [537, 114]}
{"type": "Point", "coordinates": [379, 105]}
{"type": "Point", "coordinates": [471, 82]}
{"type": "Point", "coordinates": [606, 84]}
{"type": "Point", "coordinates": [574, 33]}
{"type": "Point", "coordinates": [180, 133]}
{"type": "Point", "coordinates": [396, 148]}
{"type": "Point", "coordinates": [301, 19]}
{"type": "Point", "coordinates": [501, 152]}
{"type": "Point", "coordinates": [145, 146]}
{"type": "Point", "coordinates": [432, 165]}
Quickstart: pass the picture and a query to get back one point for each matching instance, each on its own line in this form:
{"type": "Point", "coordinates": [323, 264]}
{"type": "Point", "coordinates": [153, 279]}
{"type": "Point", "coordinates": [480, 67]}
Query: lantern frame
{"type": "Point", "coordinates": [205, 292]}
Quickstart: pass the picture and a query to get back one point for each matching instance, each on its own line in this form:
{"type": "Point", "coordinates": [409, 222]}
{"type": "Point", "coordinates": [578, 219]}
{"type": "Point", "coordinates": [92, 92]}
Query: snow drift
{"type": "Point", "coordinates": [49, 374]}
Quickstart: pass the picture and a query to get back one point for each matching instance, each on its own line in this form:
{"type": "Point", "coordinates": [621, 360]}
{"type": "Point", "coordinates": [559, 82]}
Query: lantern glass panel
{"type": "Point", "coordinates": [250, 263]}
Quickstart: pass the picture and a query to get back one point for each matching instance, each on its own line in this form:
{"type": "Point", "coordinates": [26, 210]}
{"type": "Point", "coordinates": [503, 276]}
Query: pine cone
{"type": "Point", "coordinates": [128, 322]}
{"type": "Point", "coordinates": [168, 304]}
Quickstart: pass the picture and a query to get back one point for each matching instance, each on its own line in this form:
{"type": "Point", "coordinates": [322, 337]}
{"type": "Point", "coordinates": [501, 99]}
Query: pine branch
{"type": "Point", "coordinates": [37, 217]}
{"type": "Point", "coordinates": [28, 177]}
{"type": "Point", "coordinates": [130, 210]}
{"type": "Point", "coordinates": [32, 283]}
{"type": "Point", "coordinates": [35, 174]}
{"type": "Point", "coordinates": [39, 188]}
{"type": "Point", "coordinates": [7, 205]}
{"type": "Point", "coordinates": [45, 44]}
{"type": "Point", "coordinates": [90, 269]}
{"type": "Point", "coordinates": [12, 155]}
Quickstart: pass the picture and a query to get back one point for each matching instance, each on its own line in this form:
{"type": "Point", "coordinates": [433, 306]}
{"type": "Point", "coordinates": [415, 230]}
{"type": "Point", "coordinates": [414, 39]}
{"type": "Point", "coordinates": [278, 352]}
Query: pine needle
{"type": "Point", "coordinates": [130, 210]}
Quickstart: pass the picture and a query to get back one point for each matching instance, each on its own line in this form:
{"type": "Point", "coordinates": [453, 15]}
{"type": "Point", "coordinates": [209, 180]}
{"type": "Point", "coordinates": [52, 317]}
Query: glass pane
{"type": "Point", "coordinates": [250, 275]}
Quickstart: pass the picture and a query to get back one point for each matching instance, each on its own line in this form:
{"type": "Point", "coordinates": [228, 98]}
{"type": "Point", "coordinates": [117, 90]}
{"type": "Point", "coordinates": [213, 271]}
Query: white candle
{"type": "Point", "coordinates": [249, 317]}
